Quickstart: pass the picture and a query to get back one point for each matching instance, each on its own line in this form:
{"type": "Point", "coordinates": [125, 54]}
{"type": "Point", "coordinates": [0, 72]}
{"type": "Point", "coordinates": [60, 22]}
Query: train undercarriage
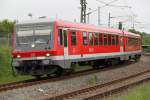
{"type": "Point", "coordinates": [37, 68]}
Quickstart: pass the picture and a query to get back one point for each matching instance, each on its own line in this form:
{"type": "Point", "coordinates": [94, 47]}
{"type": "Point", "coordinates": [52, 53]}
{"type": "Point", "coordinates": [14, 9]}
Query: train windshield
{"type": "Point", "coordinates": [34, 36]}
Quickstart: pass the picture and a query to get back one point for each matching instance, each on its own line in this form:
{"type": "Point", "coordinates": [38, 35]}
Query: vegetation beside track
{"type": "Point", "coordinates": [6, 75]}
{"type": "Point", "coordinates": [141, 92]}
{"type": "Point", "coordinates": [146, 41]}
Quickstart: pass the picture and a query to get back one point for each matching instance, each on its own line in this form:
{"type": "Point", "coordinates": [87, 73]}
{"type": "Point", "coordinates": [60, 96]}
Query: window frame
{"type": "Point", "coordinates": [101, 43]}
{"type": "Point", "coordinates": [96, 38]}
{"type": "Point", "coordinates": [117, 38]}
{"type": "Point", "coordinates": [73, 36]}
{"type": "Point", "coordinates": [113, 39]}
{"type": "Point", "coordinates": [83, 38]}
{"type": "Point", "coordinates": [90, 34]}
{"type": "Point", "coordinates": [109, 39]}
{"type": "Point", "coordinates": [105, 41]}
{"type": "Point", "coordinates": [60, 41]}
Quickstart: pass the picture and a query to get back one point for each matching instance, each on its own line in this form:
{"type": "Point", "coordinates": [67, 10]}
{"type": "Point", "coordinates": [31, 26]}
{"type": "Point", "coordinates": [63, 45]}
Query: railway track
{"type": "Point", "coordinates": [93, 92]}
{"type": "Point", "coordinates": [27, 83]}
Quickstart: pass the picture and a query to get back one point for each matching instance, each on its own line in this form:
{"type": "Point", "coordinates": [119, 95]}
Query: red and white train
{"type": "Point", "coordinates": [44, 47]}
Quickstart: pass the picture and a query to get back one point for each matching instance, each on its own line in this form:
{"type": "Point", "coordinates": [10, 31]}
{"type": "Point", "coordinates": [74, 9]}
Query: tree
{"type": "Point", "coordinates": [136, 32]}
{"type": "Point", "coordinates": [6, 26]}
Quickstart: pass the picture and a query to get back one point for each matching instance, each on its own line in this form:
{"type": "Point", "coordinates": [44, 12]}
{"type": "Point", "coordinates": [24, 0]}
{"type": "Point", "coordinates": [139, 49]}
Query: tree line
{"type": "Point", "coordinates": [6, 26]}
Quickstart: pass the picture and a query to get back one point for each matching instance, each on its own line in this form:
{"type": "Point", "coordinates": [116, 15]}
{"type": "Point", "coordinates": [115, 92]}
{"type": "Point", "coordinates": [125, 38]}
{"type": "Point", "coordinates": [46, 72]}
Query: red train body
{"type": "Point", "coordinates": [44, 46]}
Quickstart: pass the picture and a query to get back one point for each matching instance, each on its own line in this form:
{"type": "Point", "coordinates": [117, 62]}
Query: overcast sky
{"type": "Point", "coordinates": [70, 10]}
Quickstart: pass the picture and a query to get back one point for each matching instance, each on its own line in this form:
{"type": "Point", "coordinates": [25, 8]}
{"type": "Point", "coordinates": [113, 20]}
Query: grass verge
{"type": "Point", "coordinates": [141, 92]}
{"type": "Point", "coordinates": [6, 75]}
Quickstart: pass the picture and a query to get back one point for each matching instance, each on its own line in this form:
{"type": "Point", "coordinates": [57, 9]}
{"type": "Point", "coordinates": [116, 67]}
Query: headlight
{"type": "Point", "coordinates": [47, 55]}
{"type": "Point", "coordinates": [33, 45]}
{"type": "Point", "coordinates": [18, 56]}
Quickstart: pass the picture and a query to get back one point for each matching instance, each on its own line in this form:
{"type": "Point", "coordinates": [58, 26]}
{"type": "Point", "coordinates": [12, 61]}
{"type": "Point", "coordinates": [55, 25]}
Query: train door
{"type": "Point", "coordinates": [65, 42]}
{"type": "Point", "coordinates": [121, 44]}
{"type": "Point", "coordinates": [73, 46]}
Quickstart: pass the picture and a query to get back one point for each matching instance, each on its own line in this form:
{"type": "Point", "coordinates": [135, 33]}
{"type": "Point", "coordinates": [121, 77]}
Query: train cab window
{"type": "Point", "coordinates": [73, 38]}
{"type": "Point", "coordinates": [60, 37]}
{"type": "Point", "coordinates": [85, 39]}
{"type": "Point", "coordinates": [113, 39]}
{"type": "Point", "coordinates": [95, 38]}
{"type": "Point", "coordinates": [100, 39]}
{"type": "Point", "coordinates": [105, 39]}
{"type": "Point", "coordinates": [90, 39]}
{"type": "Point", "coordinates": [109, 39]}
{"type": "Point", "coordinates": [117, 39]}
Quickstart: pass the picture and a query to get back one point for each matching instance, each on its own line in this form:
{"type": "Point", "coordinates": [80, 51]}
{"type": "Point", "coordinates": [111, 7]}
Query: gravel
{"type": "Point", "coordinates": [43, 91]}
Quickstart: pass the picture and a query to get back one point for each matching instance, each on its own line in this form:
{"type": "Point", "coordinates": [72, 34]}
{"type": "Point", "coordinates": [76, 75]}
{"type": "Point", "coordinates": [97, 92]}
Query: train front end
{"type": "Point", "coordinates": [33, 47]}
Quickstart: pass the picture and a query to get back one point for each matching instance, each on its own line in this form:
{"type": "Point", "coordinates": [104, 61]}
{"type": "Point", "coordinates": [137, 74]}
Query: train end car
{"type": "Point", "coordinates": [45, 47]}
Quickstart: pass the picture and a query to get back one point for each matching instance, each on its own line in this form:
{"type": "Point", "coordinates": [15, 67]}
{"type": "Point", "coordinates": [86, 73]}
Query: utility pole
{"type": "Point", "coordinates": [109, 20]}
{"type": "Point", "coordinates": [133, 22]}
{"type": "Point", "coordinates": [83, 11]}
{"type": "Point", "coordinates": [99, 16]}
{"type": "Point", "coordinates": [107, 5]}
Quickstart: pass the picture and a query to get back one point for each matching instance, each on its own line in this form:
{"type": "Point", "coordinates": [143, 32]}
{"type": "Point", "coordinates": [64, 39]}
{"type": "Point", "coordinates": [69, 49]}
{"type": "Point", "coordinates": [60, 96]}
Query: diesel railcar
{"type": "Point", "coordinates": [45, 47]}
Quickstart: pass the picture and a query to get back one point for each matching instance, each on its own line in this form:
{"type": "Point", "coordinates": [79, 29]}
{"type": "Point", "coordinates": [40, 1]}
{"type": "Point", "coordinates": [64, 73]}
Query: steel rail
{"type": "Point", "coordinates": [91, 89]}
{"type": "Point", "coordinates": [27, 83]}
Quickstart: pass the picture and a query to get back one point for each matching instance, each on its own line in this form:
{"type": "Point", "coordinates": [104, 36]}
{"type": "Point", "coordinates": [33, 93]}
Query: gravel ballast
{"type": "Point", "coordinates": [43, 91]}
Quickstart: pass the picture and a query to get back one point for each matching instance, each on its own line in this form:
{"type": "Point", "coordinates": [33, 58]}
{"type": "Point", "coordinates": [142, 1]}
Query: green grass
{"type": "Point", "coordinates": [6, 75]}
{"type": "Point", "coordinates": [146, 50]}
{"type": "Point", "coordinates": [81, 68]}
{"type": "Point", "coordinates": [140, 93]}
{"type": "Point", "coordinates": [146, 39]}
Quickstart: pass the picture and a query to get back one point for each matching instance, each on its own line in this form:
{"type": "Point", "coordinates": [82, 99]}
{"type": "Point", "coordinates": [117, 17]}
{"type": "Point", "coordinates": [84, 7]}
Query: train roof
{"type": "Point", "coordinates": [35, 21]}
{"type": "Point", "coordinates": [131, 34]}
{"type": "Point", "coordinates": [94, 28]}
{"type": "Point", "coordinates": [85, 27]}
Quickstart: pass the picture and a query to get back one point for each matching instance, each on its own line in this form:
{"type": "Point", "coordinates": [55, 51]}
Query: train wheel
{"type": "Point", "coordinates": [50, 75]}
{"type": "Point", "coordinates": [59, 72]}
{"type": "Point", "coordinates": [137, 58]}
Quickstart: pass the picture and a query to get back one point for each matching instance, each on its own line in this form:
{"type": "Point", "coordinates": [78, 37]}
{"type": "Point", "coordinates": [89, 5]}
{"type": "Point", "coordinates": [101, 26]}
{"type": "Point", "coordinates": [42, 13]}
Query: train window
{"type": "Point", "coordinates": [90, 39]}
{"type": "Point", "coordinates": [60, 37]}
{"type": "Point", "coordinates": [100, 39]}
{"type": "Point", "coordinates": [95, 38]}
{"type": "Point", "coordinates": [105, 39]}
{"type": "Point", "coordinates": [113, 39]}
{"type": "Point", "coordinates": [138, 42]}
{"type": "Point", "coordinates": [127, 41]}
{"type": "Point", "coordinates": [85, 39]}
{"type": "Point", "coordinates": [131, 41]}
{"type": "Point", "coordinates": [109, 39]}
{"type": "Point", "coordinates": [117, 39]}
{"type": "Point", "coordinates": [73, 38]}
{"type": "Point", "coordinates": [65, 38]}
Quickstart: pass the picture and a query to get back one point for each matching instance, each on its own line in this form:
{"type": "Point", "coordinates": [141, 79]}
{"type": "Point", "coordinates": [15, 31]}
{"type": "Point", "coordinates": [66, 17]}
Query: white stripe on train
{"type": "Point", "coordinates": [80, 57]}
